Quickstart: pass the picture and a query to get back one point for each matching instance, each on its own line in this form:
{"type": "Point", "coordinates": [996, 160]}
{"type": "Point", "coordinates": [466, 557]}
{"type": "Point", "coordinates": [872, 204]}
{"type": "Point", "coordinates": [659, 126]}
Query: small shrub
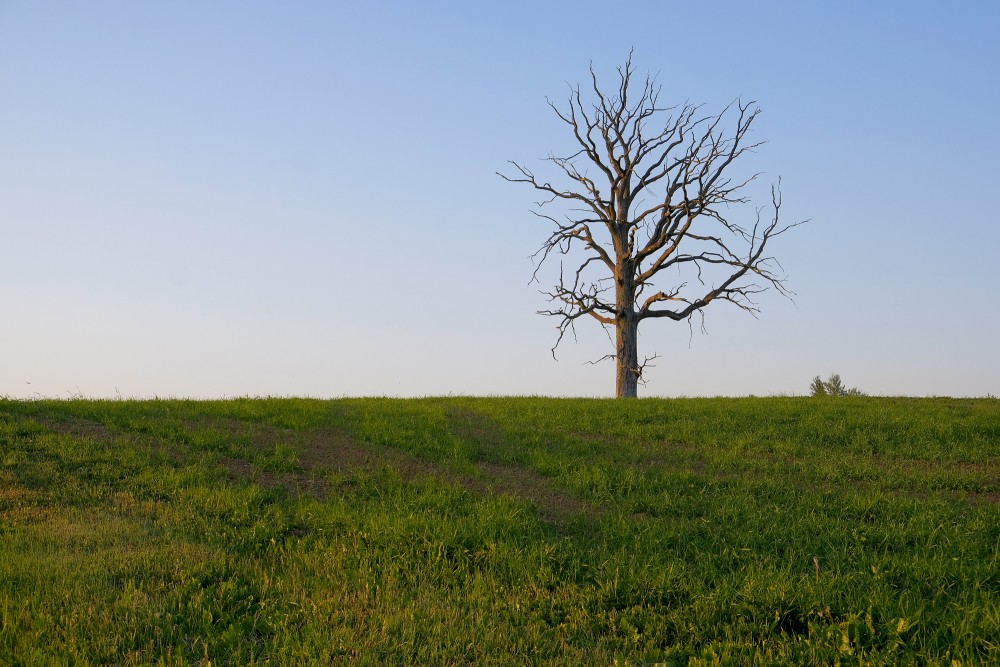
{"type": "Point", "coordinates": [832, 387]}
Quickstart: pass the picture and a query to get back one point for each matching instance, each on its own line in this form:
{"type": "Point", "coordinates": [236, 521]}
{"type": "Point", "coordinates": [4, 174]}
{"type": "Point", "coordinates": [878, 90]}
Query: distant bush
{"type": "Point", "coordinates": [832, 387]}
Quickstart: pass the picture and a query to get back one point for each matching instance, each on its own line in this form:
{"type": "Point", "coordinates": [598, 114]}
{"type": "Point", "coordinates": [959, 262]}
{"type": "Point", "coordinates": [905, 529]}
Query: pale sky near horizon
{"type": "Point", "coordinates": [227, 199]}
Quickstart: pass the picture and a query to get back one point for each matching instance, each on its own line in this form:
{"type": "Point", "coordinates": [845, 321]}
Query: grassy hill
{"type": "Point", "coordinates": [500, 531]}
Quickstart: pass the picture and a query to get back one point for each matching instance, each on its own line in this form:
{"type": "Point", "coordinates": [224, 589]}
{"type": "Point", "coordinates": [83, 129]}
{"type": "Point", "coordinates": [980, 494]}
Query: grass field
{"type": "Point", "coordinates": [500, 531]}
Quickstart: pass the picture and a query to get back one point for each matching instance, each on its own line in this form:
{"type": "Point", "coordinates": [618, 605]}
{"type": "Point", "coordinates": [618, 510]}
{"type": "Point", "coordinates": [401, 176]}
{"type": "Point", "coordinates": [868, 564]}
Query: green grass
{"type": "Point", "coordinates": [500, 531]}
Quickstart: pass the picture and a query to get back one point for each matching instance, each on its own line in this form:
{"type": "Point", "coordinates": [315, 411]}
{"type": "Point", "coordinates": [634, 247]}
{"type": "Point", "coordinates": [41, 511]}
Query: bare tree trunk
{"type": "Point", "coordinates": [627, 361]}
{"type": "Point", "coordinates": [627, 335]}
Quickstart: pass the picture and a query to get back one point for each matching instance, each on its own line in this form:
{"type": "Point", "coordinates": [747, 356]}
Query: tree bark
{"type": "Point", "coordinates": [627, 360]}
{"type": "Point", "coordinates": [627, 335]}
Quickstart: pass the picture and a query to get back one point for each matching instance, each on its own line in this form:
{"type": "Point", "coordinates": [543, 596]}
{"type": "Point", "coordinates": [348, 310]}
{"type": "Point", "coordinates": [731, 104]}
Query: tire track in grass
{"type": "Point", "coordinates": [487, 438]}
{"type": "Point", "coordinates": [331, 451]}
{"type": "Point", "coordinates": [327, 451]}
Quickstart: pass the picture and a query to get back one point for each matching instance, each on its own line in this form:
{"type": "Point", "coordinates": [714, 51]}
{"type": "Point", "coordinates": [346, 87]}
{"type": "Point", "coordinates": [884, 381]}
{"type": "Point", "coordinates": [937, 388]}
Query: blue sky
{"type": "Point", "coordinates": [220, 199]}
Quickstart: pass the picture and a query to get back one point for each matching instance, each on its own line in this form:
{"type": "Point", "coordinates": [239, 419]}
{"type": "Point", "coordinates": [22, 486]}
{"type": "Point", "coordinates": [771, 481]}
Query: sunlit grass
{"type": "Point", "coordinates": [500, 531]}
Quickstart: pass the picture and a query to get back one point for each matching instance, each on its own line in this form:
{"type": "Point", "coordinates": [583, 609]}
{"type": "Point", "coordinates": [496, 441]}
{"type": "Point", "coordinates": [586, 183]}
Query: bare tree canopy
{"type": "Point", "coordinates": [648, 190]}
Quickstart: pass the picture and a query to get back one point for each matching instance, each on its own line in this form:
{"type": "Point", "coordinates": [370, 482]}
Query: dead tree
{"type": "Point", "coordinates": [648, 191]}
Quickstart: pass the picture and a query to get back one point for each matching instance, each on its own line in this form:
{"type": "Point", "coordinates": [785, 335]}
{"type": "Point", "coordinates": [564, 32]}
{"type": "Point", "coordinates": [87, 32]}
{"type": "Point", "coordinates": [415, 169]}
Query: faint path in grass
{"type": "Point", "coordinates": [553, 505]}
{"type": "Point", "coordinates": [488, 441]}
{"type": "Point", "coordinates": [325, 452]}
{"type": "Point", "coordinates": [77, 427]}
{"type": "Point", "coordinates": [320, 454]}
